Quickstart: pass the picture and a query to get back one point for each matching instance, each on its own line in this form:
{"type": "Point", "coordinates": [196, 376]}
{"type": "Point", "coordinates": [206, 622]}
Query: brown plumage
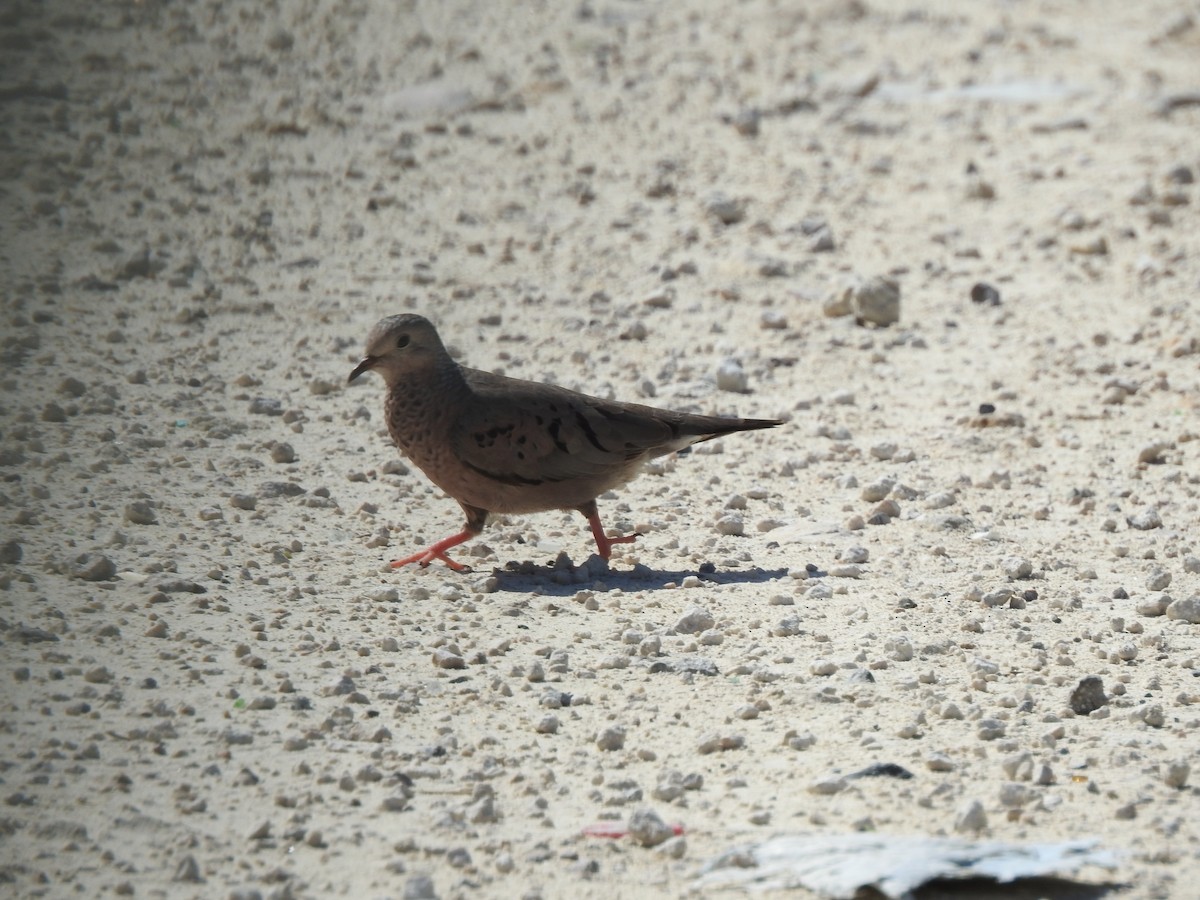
{"type": "Point", "coordinates": [502, 445]}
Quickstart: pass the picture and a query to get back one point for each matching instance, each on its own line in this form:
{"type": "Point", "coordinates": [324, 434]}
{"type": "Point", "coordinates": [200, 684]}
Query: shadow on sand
{"type": "Point", "coordinates": [561, 579]}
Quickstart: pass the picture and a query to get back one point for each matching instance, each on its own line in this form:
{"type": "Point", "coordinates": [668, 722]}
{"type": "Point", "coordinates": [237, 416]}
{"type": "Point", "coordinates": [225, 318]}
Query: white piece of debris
{"type": "Point", "coordinates": [840, 865]}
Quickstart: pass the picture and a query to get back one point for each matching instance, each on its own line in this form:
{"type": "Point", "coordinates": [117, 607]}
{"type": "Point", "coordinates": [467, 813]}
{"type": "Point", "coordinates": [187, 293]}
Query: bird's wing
{"type": "Point", "coordinates": [520, 432]}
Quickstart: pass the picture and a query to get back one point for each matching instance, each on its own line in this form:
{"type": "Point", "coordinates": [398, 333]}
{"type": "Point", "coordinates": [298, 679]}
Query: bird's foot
{"type": "Point", "coordinates": [437, 551]}
{"type": "Point", "coordinates": [425, 557]}
{"type": "Point", "coordinates": [604, 542]}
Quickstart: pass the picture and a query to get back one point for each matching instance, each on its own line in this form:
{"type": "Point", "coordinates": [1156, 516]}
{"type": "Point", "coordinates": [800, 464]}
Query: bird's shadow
{"type": "Point", "coordinates": [561, 579]}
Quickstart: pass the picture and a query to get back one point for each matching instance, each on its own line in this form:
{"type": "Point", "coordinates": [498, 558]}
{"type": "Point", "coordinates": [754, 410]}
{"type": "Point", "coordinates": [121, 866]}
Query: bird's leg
{"type": "Point", "coordinates": [603, 542]}
{"type": "Point", "coordinates": [475, 522]}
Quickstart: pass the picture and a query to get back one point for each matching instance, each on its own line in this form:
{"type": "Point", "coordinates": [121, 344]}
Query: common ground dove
{"type": "Point", "coordinates": [502, 445]}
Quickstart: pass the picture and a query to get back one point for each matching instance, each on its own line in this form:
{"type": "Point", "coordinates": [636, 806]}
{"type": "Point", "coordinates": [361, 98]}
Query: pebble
{"type": "Point", "coordinates": [1152, 714]}
{"type": "Point", "coordinates": [971, 817]}
{"type": "Point", "coordinates": [855, 555]}
{"type": "Point", "coordinates": [1158, 580]}
{"type": "Point", "coordinates": [984, 294]}
{"type": "Point", "coordinates": [1176, 773]}
{"type": "Point", "coordinates": [839, 302]}
{"type": "Point", "coordinates": [1146, 520]}
{"type": "Point", "coordinates": [1186, 610]}
{"type": "Point", "coordinates": [1088, 696]}
{"type": "Point", "coordinates": [725, 209]}
{"type": "Point", "coordinates": [92, 567]}
{"type": "Point", "coordinates": [1016, 567]}
{"type": "Point", "coordinates": [878, 489]}
{"type": "Point", "coordinates": [264, 406]}
{"type": "Point", "coordinates": [899, 648]}
{"type": "Point", "coordinates": [877, 302]}
{"type": "Point", "coordinates": [695, 619]}
{"type": "Point", "coordinates": [938, 762]}
{"type": "Point", "coordinates": [283, 452]}
{"type": "Point", "coordinates": [1015, 795]}
{"type": "Point", "coordinates": [1152, 453]}
{"type": "Point", "coordinates": [445, 659]}
{"type": "Point", "coordinates": [822, 667]}
{"type": "Point", "coordinates": [610, 738]}
{"type": "Point", "coordinates": [991, 729]}
{"type": "Point", "coordinates": [847, 571]}
{"type": "Point", "coordinates": [1154, 605]}
{"type": "Point", "coordinates": [673, 848]}
{"type": "Point", "coordinates": [712, 742]}
{"type": "Point", "coordinates": [1126, 812]}
{"type": "Point", "coordinates": [884, 450]}
{"type": "Point", "coordinates": [799, 740]}
{"type": "Point", "coordinates": [787, 627]}
{"type": "Point", "coordinates": [828, 785]}
{"type": "Point", "coordinates": [419, 887]}
{"type": "Point", "coordinates": [648, 828]}
{"type": "Point", "coordinates": [732, 377]}
{"type": "Point", "coordinates": [731, 524]}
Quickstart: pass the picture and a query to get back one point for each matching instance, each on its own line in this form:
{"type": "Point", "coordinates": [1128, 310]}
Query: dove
{"type": "Point", "coordinates": [503, 445]}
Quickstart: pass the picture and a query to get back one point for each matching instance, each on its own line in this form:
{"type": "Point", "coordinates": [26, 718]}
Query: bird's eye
{"type": "Point", "coordinates": [402, 341]}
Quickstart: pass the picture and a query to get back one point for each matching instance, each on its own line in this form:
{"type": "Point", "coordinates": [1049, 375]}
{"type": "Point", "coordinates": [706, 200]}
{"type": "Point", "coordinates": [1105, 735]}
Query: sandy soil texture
{"type": "Point", "coordinates": [213, 686]}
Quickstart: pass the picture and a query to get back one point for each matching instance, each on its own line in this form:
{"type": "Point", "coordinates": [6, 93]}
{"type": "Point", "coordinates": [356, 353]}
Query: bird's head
{"type": "Point", "coordinates": [399, 346]}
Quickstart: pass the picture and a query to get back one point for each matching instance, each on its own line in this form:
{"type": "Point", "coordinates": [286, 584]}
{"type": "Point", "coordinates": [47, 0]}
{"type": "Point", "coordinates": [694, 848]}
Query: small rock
{"type": "Point", "coordinates": [266, 406]}
{"type": "Point", "coordinates": [971, 817]}
{"type": "Point", "coordinates": [283, 453]}
{"type": "Point", "coordinates": [732, 525]}
{"type": "Point", "coordinates": [694, 620]}
{"type": "Point", "coordinates": [877, 302]}
{"type": "Point", "coordinates": [725, 209]}
{"type": "Point", "coordinates": [188, 870]}
{"type": "Point", "coordinates": [419, 887]}
{"type": "Point", "coordinates": [1016, 567]}
{"type": "Point", "coordinates": [732, 377]}
{"type": "Point", "coordinates": [984, 294]}
{"type": "Point", "coordinates": [1187, 610]}
{"type": "Point", "coordinates": [827, 785]}
{"type": "Point", "coordinates": [445, 659]}
{"type": "Point", "coordinates": [840, 302]}
{"type": "Point", "coordinates": [1152, 453]}
{"type": "Point", "coordinates": [991, 729]}
{"type": "Point", "coordinates": [1146, 520]}
{"type": "Point", "coordinates": [1158, 580]}
{"type": "Point", "coordinates": [1088, 696]}
{"type": "Point", "coordinates": [712, 742]}
{"type": "Point", "coordinates": [1152, 714]}
{"type": "Point", "coordinates": [1154, 605]}
{"type": "Point", "coordinates": [139, 512]}
{"type": "Point", "coordinates": [611, 738]}
{"type": "Point", "coordinates": [648, 829]}
{"type": "Point", "coordinates": [98, 675]}
{"type": "Point", "coordinates": [1176, 773]}
{"type": "Point", "coordinates": [773, 320]}
{"type": "Point", "coordinates": [92, 567]}
{"type": "Point", "coordinates": [1015, 795]}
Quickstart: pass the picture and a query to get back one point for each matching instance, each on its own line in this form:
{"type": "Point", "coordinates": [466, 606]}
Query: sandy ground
{"type": "Point", "coordinates": [214, 687]}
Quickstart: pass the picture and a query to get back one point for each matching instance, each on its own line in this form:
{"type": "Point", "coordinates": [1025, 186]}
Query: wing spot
{"type": "Point", "coordinates": [553, 430]}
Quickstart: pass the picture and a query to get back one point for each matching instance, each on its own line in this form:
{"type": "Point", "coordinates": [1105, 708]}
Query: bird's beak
{"type": "Point", "coordinates": [367, 362]}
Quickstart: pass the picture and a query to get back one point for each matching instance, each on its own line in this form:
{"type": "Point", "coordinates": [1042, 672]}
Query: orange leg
{"type": "Point", "coordinates": [603, 542]}
{"type": "Point", "coordinates": [438, 551]}
{"type": "Point", "coordinates": [476, 519]}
